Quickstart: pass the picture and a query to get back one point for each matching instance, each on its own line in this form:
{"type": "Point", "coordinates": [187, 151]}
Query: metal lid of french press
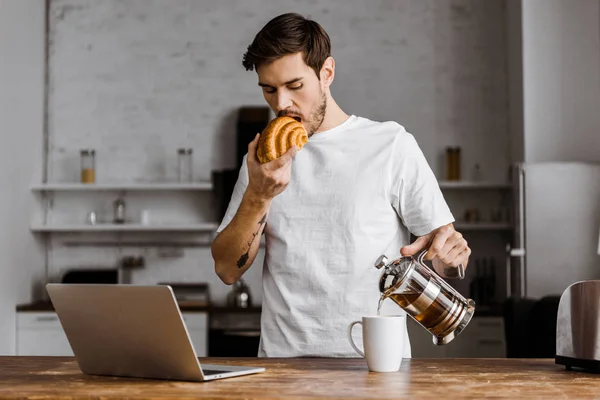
{"type": "Point", "coordinates": [395, 272]}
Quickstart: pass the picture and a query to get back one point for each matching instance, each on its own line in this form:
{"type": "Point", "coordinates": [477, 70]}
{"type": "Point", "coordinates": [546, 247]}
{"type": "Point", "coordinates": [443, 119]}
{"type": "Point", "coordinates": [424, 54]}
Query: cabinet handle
{"type": "Point", "coordinates": [490, 342]}
{"type": "Point", "coordinates": [46, 319]}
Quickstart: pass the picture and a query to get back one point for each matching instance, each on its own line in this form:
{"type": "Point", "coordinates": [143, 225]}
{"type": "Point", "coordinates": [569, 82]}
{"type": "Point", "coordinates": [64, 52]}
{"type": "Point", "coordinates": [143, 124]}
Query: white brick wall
{"type": "Point", "coordinates": [136, 79]}
{"type": "Point", "coordinates": [21, 135]}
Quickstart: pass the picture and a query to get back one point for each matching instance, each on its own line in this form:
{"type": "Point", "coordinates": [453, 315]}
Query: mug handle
{"type": "Point", "coordinates": [351, 340]}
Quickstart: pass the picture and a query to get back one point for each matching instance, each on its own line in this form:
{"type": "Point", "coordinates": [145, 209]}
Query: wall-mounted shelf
{"type": "Point", "coordinates": [473, 185]}
{"type": "Point", "coordinates": [482, 226]}
{"type": "Point", "coordinates": [85, 187]}
{"type": "Point", "coordinates": [72, 228]}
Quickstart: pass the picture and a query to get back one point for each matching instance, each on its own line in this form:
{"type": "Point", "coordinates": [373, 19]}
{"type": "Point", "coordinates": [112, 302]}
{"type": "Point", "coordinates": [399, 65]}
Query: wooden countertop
{"type": "Point", "coordinates": [38, 306]}
{"type": "Point", "coordinates": [41, 306]}
{"type": "Point", "coordinates": [59, 377]}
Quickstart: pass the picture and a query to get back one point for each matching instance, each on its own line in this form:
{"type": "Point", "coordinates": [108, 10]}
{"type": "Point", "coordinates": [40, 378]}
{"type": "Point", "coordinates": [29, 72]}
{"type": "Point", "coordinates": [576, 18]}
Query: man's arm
{"type": "Point", "coordinates": [234, 249]}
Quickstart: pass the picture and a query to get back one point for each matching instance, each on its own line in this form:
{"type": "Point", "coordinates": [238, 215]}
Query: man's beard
{"type": "Point", "coordinates": [317, 116]}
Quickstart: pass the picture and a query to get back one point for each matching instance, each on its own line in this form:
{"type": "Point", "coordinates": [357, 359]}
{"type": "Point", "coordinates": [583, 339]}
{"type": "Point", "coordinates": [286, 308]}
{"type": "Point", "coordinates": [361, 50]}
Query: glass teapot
{"type": "Point", "coordinates": [425, 296]}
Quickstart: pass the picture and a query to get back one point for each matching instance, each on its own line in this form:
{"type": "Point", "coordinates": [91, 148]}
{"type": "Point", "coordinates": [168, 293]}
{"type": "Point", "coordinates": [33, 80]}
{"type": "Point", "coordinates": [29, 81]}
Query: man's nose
{"type": "Point", "coordinates": [284, 101]}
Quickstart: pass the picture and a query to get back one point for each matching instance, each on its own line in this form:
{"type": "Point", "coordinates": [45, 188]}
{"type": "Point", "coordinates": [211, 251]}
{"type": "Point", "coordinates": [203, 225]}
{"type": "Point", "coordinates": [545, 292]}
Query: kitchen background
{"type": "Point", "coordinates": [136, 80]}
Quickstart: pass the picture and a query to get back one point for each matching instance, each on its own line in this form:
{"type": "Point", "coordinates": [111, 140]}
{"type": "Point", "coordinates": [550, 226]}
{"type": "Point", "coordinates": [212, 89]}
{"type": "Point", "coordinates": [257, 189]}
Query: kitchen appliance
{"type": "Point", "coordinates": [251, 120]}
{"type": "Point", "coordinates": [577, 327]}
{"type": "Point", "coordinates": [425, 296]}
{"type": "Point", "coordinates": [557, 211]}
{"type": "Point", "coordinates": [223, 185]}
{"type": "Point", "coordinates": [91, 275]}
{"type": "Point", "coordinates": [234, 332]}
{"type": "Point", "coordinates": [239, 296]}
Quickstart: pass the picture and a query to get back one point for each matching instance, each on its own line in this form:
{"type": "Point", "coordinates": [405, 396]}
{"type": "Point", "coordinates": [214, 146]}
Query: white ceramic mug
{"type": "Point", "coordinates": [383, 340]}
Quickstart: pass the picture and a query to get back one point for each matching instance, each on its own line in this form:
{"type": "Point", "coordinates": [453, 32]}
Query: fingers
{"type": "Point", "coordinates": [252, 149]}
{"type": "Point", "coordinates": [452, 256]}
{"type": "Point", "coordinates": [453, 246]}
{"type": "Point", "coordinates": [415, 246]}
{"type": "Point", "coordinates": [461, 258]}
{"type": "Point", "coordinates": [437, 248]}
{"type": "Point", "coordinates": [286, 158]}
{"type": "Point", "coordinates": [455, 252]}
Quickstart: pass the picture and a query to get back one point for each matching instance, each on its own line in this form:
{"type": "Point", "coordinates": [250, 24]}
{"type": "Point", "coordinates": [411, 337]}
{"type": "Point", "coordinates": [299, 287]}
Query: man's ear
{"type": "Point", "coordinates": [328, 71]}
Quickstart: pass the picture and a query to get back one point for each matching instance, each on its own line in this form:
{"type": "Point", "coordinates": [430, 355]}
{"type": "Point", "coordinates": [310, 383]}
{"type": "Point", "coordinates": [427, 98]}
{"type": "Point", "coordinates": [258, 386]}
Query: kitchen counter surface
{"type": "Point", "coordinates": [47, 306]}
{"type": "Point", "coordinates": [36, 377]}
{"type": "Point", "coordinates": [37, 306]}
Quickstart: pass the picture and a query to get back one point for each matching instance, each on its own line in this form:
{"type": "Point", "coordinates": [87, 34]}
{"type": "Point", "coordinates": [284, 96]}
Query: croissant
{"type": "Point", "coordinates": [278, 137]}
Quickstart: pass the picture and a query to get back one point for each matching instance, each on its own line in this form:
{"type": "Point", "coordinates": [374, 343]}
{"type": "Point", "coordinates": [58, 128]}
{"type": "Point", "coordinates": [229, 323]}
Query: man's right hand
{"type": "Point", "coordinates": [268, 180]}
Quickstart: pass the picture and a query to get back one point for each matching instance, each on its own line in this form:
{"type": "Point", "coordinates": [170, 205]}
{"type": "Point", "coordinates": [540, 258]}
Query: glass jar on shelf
{"type": "Point", "coordinates": [88, 166]}
{"type": "Point", "coordinates": [184, 164]}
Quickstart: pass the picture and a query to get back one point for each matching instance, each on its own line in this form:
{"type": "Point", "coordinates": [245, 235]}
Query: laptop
{"type": "Point", "coordinates": [132, 331]}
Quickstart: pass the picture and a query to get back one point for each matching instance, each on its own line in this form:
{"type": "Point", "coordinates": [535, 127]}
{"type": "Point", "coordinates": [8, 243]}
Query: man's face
{"type": "Point", "coordinates": [291, 88]}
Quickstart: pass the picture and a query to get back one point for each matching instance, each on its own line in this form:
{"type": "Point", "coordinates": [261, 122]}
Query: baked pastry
{"type": "Point", "coordinates": [278, 137]}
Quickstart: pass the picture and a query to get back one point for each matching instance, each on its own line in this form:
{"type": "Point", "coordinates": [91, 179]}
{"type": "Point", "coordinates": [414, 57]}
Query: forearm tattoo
{"type": "Point", "coordinates": [244, 258]}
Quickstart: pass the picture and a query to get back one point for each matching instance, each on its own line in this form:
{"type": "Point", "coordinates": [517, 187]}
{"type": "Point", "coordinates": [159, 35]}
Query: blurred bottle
{"type": "Point", "coordinates": [477, 174]}
{"type": "Point", "coordinates": [457, 163]}
{"type": "Point", "coordinates": [119, 211]}
{"type": "Point", "coordinates": [184, 164]}
{"type": "Point", "coordinates": [453, 163]}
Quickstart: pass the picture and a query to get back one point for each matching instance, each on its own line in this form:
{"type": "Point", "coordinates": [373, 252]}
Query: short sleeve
{"type": "Point", "coordinates": [416, 194]}
{"type": "Point", "coordinates": [236, 198]}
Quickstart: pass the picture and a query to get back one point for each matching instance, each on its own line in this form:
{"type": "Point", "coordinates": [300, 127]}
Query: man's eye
{"type": "Point", "coordinates": [296, 87]}
{"type": "Point", "coordinates": [270, 91]}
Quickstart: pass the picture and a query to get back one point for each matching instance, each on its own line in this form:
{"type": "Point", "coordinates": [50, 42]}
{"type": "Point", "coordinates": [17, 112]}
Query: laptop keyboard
{"type": "Point", "coordinates": [213, 371]}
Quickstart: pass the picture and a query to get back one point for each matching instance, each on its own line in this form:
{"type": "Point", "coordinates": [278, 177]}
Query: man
{"type": "Point", "coordinates": [356, 190]}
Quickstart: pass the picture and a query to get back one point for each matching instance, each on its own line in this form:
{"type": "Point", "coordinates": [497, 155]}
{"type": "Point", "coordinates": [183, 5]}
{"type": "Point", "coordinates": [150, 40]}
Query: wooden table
{"type": "Point", "coordinates": [54, 377]}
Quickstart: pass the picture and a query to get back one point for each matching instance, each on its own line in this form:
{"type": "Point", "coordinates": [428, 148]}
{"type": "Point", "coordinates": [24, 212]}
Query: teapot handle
{"type": "Point", "coordinates": [451, 272]}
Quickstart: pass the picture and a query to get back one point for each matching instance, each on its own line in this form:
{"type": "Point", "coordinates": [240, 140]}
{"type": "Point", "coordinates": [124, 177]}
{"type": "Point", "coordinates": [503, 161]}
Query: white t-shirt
{"type": "Point", "coordinates": [355, 193]}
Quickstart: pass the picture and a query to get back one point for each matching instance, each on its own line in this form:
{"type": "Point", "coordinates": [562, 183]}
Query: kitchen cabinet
{"type": "Point", "coordinates": [483, 338]}
{"type": "Point", "coordinates": [421, 341]}
{"type": "Point", "coordinates": [41, 334]}
{"type": "Point", "coordinates": [197, 326]}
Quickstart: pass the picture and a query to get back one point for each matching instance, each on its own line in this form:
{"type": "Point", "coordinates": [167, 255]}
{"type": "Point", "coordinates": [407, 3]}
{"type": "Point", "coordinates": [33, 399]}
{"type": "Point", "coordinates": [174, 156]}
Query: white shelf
{"type": "Point", "coordinates": [482, 226]}
{"type": "Point", "coordinates": [67, 228]}
{"type": "Point", "coordinates": [473, 185]}
{"type": "Point", "coordinates": [167, 186]}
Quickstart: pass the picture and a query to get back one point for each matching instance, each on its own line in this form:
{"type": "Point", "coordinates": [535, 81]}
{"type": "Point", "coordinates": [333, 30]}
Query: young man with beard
{"type": "Point", "coordinates": [356, 190]}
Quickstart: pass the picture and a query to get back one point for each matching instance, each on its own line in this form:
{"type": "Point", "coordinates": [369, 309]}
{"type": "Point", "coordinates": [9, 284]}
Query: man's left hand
{"type": "Point", "coordinates": [447, 248]}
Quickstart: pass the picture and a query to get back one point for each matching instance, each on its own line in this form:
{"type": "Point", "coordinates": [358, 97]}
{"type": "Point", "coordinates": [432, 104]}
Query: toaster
{"type": "Point", "coordinates": [578, 327]}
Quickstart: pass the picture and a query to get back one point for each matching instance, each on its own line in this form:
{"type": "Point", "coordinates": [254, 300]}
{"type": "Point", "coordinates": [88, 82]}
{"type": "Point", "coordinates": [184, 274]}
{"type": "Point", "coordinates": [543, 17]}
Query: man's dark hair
{"type": "Point", "coordinates": [288, 34]}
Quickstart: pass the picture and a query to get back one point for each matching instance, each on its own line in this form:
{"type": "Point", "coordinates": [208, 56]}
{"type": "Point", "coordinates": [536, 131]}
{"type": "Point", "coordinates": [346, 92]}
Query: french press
{"type": "Point", "coordinates": [425, 296]}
